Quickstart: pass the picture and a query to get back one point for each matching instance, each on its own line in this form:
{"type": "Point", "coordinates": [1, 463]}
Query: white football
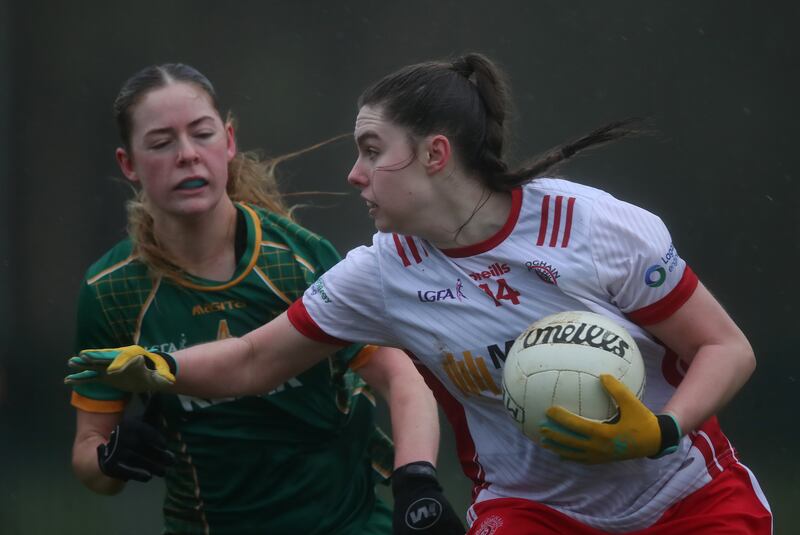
{"type": "Point", "coordinates": [558, 360]}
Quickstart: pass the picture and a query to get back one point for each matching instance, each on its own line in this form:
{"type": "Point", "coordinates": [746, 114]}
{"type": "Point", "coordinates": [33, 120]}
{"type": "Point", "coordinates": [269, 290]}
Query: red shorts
{"type": "Point", "coordinates": [731, 504]}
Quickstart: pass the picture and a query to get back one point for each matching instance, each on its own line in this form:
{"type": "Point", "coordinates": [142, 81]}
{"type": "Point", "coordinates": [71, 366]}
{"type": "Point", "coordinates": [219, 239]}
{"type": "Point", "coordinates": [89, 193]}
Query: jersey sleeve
{"type": "Point", "coordinates": [346, 303]}
{"type": "Point", "coordinates": [94, 331]}
{"type": "Point", "coordinates": [325, 256]}
{"type": "Point", "coordinates": [637, 264]}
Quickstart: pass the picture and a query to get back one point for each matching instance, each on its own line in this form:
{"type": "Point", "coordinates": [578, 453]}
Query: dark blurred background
{"type": "Point", "coordinates": [719, 81]}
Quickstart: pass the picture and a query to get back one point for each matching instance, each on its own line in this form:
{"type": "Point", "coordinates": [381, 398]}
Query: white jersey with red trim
{"type": "Point", "coordinates": [458, 311]}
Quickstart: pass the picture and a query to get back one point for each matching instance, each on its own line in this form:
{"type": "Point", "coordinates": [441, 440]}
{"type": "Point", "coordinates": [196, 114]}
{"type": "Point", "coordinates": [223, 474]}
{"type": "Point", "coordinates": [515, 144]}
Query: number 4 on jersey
{"type": "Point", "coordinates": [504, 291]}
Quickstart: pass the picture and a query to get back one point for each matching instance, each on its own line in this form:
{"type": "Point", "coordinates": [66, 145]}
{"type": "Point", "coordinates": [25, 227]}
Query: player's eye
{"type": "Point", "coordinates": [159, 144]}
{"type": "Point", "coordinates": [204, 134]}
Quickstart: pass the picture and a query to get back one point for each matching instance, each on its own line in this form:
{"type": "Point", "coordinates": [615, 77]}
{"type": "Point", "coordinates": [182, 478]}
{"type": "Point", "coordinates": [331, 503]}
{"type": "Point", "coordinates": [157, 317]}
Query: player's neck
{"type": "Point", "coordinates": [474, 215]}
{"type": "Point", "coordinates": [202, 246]}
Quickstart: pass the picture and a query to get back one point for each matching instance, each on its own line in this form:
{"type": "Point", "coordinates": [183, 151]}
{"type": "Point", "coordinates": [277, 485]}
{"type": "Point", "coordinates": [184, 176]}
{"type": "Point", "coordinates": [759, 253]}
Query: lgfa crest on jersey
{"type": "Point", "coordinates": [432, 296]}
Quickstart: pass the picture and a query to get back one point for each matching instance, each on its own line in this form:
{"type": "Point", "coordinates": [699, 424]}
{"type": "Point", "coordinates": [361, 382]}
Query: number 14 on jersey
{"type": "Point", "coordinates": [502, 292]}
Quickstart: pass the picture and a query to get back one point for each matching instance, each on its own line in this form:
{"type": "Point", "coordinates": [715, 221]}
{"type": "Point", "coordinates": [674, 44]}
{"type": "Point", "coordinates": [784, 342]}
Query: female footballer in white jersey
{"type": "Point", "coordinates": [468, 254]}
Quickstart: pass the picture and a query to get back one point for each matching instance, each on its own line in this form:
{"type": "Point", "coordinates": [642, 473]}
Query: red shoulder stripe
{"type": "Point", "coordinates": [400, 250]}
{"type": "Point", "coordinates": [667, 305]}
{"type": "Point", "coordinates": [543, 222]}
{"type": "Point", "coordinates": [305, 325]}
{"type": "Point", "coordinates": [568, 226]}
{"type": "Point", "coordinates": [556, 221]}
{"type": "Point", "coordinates": [413, 248]}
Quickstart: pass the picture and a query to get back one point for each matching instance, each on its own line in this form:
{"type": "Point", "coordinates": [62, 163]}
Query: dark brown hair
{"type": "Point", "coordinates": [468, 100]}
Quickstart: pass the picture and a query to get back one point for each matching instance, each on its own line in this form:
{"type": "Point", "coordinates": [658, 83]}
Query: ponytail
{"type": "Point", "coordinates": [468, 100]}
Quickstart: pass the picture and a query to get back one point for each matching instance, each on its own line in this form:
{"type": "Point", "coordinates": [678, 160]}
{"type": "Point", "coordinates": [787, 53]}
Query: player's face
{"type": "Point", "coordinates": [391, 178]}
{"type": "Point", "coordinates": [179, 151]}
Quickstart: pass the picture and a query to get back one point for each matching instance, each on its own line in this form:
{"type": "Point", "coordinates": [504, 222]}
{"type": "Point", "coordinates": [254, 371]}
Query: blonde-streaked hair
{"type": "Point", "coordinates": [251, 179]}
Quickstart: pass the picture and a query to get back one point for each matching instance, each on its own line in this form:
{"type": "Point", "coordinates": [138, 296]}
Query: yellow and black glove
{"type": "Point", "coordinates": [635, 431]}
{"type": "Point", "coordinates": [131, 368]}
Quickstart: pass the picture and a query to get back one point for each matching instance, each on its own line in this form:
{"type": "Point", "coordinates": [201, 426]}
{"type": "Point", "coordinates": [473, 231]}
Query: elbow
{"type": "Point", "coordinates": [88, 472]}
{"type": "Point", "coordinates": [100, 483]}
{"type": "Point", "coordinates": [748, 361]}
{"type": "Point", "coordinates": [741, 358]}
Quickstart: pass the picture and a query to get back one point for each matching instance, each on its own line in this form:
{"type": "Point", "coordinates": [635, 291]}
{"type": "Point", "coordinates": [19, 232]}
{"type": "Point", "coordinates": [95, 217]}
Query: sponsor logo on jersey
{"type": "Point", "coordinates": [544, 271]}
{"type": "Point", "coordinates": [169, 347]}
{"type": "Point", "coordinates": [498, 355]}
{"type": "Point", "coordinates": [318, 288]}
{"type": "Point", "coordinates": [670, 258]}
{"type": "Point", "coordinates": [581, 334]}
{"type": "Point", "coordinates": [432, 296]}
{"type": "Point", "coordinates": [191, 403]}
{"type": "Point", "coordinates": [655, 275]}
{"type": "Point", "coordinates": [219, 306]}
{"type": "Point", "coordinates": [495, 270]}
{"type": "Point", "coordinates": [470, 374]}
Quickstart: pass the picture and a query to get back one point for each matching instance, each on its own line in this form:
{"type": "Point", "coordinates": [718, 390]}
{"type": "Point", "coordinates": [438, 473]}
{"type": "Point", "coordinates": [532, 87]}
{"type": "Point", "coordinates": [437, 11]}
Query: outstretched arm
{"type": "Point", "coordinates": [256, 363]}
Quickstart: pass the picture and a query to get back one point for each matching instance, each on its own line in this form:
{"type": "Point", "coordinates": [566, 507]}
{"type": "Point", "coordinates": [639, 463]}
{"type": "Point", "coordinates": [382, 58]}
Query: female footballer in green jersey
{"type": "Point", "coordinates": [213, 253]}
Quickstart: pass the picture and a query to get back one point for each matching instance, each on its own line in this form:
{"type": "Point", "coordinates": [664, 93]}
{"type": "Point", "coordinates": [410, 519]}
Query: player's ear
{"type": "Point", "coordinates": [126, 164]}
{"type": "Point", "coordinates": [436, 153]}
{"type": "Point", "coordinates": [231, 139]}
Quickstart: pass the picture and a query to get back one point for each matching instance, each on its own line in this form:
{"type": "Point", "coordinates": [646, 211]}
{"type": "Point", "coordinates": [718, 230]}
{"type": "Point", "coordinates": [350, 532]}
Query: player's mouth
{"type": "Point", "coordinates": [192, 183]}
{"type": "Point", "coordinates": [371, 206]}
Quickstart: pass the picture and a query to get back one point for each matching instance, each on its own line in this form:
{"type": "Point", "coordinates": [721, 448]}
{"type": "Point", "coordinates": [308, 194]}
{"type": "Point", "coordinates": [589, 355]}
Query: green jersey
{"type": "Point", "coordinates": [302, 458]}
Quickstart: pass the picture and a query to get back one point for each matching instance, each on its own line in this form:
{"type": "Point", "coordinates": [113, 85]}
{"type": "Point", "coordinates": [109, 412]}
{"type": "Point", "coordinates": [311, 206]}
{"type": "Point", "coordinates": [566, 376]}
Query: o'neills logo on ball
{"type": "Point", "coordinates": [577, 333]}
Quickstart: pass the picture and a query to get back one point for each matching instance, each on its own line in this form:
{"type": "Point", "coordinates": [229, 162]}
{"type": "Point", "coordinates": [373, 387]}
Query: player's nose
{"type": "Point", "coordinates": [358, 177]}
{"type": "Point", "coordinates": [187, 152]}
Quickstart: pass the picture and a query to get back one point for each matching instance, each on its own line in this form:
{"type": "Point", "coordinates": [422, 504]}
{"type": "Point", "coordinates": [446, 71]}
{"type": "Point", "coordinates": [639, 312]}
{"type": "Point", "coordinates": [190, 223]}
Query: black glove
{"type": "Point", "coordinates": [135, 450]}
{"type": "Point", "coordinates": [420, 507]}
